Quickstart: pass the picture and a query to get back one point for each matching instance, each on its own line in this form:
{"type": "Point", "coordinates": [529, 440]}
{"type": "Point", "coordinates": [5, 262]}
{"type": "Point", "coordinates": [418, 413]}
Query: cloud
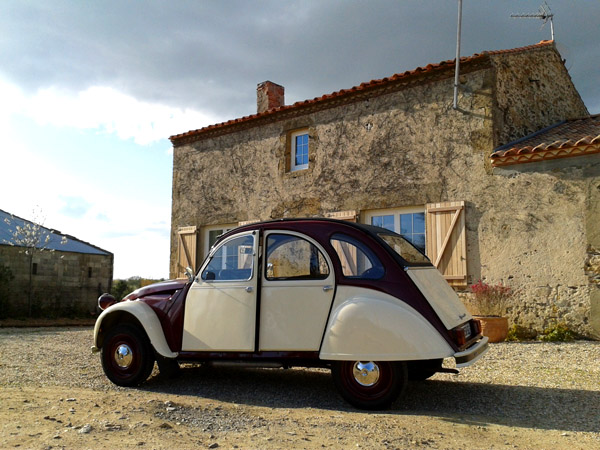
{"type": "Point", "coordinates": [110, 111]}
{"type": "Point", "coordinates": [74, 206]}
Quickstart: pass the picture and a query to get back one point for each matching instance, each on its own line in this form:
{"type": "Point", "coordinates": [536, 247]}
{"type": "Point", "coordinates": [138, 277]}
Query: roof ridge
{"type": "Point", "coordinates": [373, 84]}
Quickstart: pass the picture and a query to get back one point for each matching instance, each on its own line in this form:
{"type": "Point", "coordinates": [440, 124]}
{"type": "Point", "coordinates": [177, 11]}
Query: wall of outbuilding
{"type": "Point", "coordinates": [65, 284]}
{"type": "Point", "coordinates": [406, 146]}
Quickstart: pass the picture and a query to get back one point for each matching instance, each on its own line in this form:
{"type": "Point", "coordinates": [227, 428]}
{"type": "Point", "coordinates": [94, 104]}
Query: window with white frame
{"type": "Point", "coordinates": [211, 233]}
{"type": "Point", "coordinates": [299, 150]}
{"type": "Point", "coordinates": [408, 222]}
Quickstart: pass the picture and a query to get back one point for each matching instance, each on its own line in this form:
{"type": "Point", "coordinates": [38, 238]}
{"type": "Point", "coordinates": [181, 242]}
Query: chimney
{"type": "Point", "coordinates": [268, 96]}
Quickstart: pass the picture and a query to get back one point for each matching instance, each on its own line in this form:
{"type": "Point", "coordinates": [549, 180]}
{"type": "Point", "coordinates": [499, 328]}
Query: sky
{"type": "Point", "coordinates": [90, 91]}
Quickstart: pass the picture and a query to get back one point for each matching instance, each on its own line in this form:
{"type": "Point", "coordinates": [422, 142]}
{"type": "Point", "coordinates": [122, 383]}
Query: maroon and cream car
{"type": "Point", "coordinates": [358, 299]}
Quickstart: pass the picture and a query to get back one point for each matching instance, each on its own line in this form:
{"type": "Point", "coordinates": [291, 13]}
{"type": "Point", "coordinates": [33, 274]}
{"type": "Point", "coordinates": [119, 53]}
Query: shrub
{"type": "Point", "coordinates": [520, 333]}
{"type": "Point", "coordinates": [558, 332]}
{"type": "Point", "coordinates": [491, 300]}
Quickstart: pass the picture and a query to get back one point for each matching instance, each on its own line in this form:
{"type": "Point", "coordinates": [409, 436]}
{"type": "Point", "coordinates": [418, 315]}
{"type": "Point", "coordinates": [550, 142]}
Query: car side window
{"type": "Point", "coordinates": [356, 259]}
{"type": "Point", "coordinates": [290, 257]}
{"type": "Point", "coordinates": [232, 261]}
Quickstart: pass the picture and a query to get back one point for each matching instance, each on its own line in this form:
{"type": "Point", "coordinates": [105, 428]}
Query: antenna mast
{"type": "Point", "coordinates": [457, 60]}
{"type": "Point", "coordinates": [544, 13]}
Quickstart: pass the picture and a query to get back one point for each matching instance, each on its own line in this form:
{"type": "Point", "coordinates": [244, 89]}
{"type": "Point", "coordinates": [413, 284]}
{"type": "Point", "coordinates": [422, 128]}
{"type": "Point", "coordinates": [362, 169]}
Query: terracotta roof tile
{"type": "Point", "coordinates": [430, 69]}
{"type": "Point", "coordinates": [574, 137]}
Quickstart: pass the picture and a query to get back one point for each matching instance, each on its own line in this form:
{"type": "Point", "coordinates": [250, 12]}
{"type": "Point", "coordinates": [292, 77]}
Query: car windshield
{"type": "Point", "coordinates": [405, 249]}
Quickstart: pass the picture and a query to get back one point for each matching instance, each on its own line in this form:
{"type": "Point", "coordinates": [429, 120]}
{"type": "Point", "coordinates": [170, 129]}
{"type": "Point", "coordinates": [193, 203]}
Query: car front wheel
{"type": "Point", "coordinates": [370, 384]}
{"type": "Point", "coordinates": [127, 356]}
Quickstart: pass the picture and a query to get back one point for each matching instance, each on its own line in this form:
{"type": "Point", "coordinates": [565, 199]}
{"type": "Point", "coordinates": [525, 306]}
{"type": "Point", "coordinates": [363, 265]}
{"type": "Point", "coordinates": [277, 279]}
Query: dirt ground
{"type": "Point", "coordinates": [60, 399]}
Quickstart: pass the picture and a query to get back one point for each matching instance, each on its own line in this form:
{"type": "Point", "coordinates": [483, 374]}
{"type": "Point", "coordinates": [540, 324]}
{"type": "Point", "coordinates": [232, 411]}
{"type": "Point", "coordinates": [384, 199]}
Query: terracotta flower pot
{"type": "Point", "coordinates": [495, 328]}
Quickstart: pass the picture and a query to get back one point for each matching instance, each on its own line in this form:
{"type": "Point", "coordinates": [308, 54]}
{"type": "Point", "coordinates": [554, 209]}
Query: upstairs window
{"type": "Point", "coordinates": [299, 150]}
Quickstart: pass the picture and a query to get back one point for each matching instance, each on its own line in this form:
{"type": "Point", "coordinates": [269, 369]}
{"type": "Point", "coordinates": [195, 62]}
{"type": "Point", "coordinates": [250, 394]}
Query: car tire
{"type": "Point", "coordinates": [422, 370]}
{"type": "Point", "coordinates": [370, 384]}
{"type": "Point", "coordinates": [127, 355]}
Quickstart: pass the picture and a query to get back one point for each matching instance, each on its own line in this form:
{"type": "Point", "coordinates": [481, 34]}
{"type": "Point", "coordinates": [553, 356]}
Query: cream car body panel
{"type": "Point", "coordinates": [373, 326]}
{"type": "Point", "coordinates": [293, 313]}
{"type": "Point", "coordinates": [146, 317]}
{"type": "Point", "coordinates": [221, 315]}
{"type": "Point", "coordinates": [440, 295]}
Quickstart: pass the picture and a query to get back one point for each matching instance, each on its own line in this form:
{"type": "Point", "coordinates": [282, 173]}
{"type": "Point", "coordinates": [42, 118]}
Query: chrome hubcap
{"type": "Point", "coordinates": [366, 373]}
{"type": "Point", "coordinates": [123, 356]}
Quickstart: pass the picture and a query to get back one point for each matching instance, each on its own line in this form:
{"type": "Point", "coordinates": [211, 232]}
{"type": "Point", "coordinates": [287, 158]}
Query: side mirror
{"type": "Point", "coordinates": [189, 273]}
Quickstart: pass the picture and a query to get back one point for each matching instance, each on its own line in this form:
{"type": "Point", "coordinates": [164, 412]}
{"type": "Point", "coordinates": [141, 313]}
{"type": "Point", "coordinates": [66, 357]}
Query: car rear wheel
{"type": "Point", "coordinates": [370, 384]}
{"type": "Point", "coordinates": [127, 356]}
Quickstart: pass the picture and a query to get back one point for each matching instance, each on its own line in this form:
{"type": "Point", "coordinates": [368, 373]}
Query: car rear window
{"type": "Point", "coordinates": [356, 259]}
{"type": "Point", "coordinates": [405, 249]}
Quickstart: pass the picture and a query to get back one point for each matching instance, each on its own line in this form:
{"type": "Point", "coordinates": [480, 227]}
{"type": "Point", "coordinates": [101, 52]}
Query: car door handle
{"type": "Point", "coordinates": [248, 288]}
{"type": "Point", "coordinates": [327, 288]}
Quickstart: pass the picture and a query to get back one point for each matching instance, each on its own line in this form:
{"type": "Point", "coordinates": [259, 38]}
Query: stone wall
{"type": "Point", "coordinates": [532, 91]}
{"type": "Point", "coordinates": [65, 283]}
{"type": "Point", "coordinates": [408, 147]}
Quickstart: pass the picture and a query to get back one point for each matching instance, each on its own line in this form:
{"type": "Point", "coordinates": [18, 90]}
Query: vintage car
{"type": "Point", "coordinates": [354, 298]}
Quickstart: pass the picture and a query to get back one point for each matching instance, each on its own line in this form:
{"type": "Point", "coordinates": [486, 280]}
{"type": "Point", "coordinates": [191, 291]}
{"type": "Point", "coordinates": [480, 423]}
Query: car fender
{"type": "Point", "coordinates": [374, 326]}
{"type": "Point", "coordinates": [141, 313]}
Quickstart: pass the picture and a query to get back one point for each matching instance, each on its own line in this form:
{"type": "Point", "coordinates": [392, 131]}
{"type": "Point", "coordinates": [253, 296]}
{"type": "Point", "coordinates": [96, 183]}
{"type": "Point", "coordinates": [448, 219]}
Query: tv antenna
{"type": "Point", "coordinates": [544, 13]}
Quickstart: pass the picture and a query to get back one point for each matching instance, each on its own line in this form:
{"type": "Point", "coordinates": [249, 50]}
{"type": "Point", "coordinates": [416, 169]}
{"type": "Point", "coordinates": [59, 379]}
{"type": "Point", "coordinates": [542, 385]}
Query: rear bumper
{"type": "Point", "coordinates": [472, 354]}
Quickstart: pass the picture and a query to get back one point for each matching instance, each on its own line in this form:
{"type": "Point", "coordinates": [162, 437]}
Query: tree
{"type": "Point", "coordinates": [32, 238]}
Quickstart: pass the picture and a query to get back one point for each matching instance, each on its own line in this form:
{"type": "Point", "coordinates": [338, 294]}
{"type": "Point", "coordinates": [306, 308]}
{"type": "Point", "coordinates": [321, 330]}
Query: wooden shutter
{"type": "Point", "coordinates": [187, 246]}
{"type": "Point", "coordinates": [446, 241]}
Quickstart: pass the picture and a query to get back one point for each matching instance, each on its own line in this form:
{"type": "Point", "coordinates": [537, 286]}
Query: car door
{"type": "Point", "coordinates": [220, 308]}
{"type": "Point", "coordinates": [297, 288]}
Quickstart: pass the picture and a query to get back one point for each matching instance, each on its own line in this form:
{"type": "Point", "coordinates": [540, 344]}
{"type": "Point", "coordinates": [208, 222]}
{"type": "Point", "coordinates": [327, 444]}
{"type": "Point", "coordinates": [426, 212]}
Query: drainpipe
{"type": "Point", "coordinates": [457, 65]}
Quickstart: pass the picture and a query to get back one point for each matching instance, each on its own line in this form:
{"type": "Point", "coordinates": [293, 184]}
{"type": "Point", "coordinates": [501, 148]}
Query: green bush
{"type": "Point", "coordinates": [520, 333]}
{"type": "Point", "coordinates": [558, 332]}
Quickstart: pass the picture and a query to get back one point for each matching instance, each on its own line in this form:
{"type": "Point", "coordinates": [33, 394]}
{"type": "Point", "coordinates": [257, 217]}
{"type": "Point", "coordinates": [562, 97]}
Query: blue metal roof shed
{"type": "Point", "coordinates": [9, 223]}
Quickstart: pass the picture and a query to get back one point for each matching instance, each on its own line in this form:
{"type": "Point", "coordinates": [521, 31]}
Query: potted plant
{"type": "Point", "coordinates": [489, 304]}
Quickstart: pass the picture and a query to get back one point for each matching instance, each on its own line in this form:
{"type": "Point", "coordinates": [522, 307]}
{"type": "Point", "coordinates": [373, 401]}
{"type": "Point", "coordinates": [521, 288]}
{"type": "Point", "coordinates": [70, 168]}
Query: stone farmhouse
{"type": "Point", "coordinates": [65, 278]}
{"type": "Point", "coordinates": [503, 189]}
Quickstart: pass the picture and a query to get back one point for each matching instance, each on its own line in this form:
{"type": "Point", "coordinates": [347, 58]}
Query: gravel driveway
{"type": "Point", "coordinates": [520, 395]}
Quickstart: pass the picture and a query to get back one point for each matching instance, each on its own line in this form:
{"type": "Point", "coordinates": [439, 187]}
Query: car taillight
{"type": "Point", "coordinates": [462, 333]}
{"type": "Point", "coordinates": [476, 326]}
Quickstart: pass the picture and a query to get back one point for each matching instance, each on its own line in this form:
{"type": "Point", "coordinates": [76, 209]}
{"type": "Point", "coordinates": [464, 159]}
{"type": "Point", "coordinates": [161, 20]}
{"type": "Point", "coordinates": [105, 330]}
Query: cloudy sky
{"type": "Point", "coordinates": [90, 91]}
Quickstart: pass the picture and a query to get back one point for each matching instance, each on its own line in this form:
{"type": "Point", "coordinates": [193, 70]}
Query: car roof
{"type": "Point", "coordinates": [308, 222]}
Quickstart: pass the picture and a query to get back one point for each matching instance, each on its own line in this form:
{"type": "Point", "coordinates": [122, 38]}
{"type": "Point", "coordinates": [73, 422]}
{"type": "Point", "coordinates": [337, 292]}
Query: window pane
{"type": "Point", "coordinates": [406, 224]}
{"type": "Point", "coordinates": [386, 222]}
{"type": "Point", "coordinates": [419, 223]}
{"type": "Point", "coordinates": [291, 257]}
{"type": "Point", "coordinates": [407, 251]}
{"type": "Point", "coordinates": [356, 259]}
{"type": "Point", "coordinates": [213, 235]}
{"type": "Point", "coordinates": [232, 261]}
{"type": "Point", "coordinates": [418, 240]}
{"type": "Point", "coordinates": [301, 150]}
{"type": "Point", "coordinates": [412, 227]}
